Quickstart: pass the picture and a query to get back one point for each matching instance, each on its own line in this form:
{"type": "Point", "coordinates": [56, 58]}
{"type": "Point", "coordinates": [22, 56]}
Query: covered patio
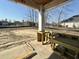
{"type": "Point", "coordinates": [41, 7]}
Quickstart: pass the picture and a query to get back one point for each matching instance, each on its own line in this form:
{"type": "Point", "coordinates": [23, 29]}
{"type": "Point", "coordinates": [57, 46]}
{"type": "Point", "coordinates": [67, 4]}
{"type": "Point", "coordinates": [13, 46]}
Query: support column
{"type": "Point", "coordinates": [41, 24]}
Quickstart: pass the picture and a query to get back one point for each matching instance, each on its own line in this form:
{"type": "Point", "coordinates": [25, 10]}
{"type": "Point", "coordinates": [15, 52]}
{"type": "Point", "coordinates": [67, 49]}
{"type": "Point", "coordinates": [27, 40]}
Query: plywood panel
{"type": "Point", "coordinates": [37, 3]}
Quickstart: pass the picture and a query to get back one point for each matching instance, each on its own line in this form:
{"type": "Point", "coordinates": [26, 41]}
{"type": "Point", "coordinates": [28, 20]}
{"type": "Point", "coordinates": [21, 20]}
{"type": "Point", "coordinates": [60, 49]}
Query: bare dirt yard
{"type": "Point", "coordinates": [10, 37]}
{"type": "Point", "coordinates": [14, 43]}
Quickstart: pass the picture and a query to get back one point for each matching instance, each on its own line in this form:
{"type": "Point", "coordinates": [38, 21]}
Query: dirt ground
{"type": "Point", "coordinates": [9, 36]}
{"type": "Point", "coordinates": [10, 39]}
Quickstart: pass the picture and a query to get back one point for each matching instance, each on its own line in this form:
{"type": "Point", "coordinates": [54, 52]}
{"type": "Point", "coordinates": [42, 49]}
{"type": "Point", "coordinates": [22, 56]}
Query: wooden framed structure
{"type": "Point", "coordinates": [41, 6]}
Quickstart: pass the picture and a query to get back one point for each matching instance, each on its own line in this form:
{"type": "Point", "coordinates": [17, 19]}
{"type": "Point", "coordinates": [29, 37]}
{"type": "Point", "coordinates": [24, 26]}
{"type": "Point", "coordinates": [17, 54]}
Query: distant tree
{"type": "Point", "coordinates": [10, 21]}
{"type": "Point", "coordinates": [23, 21]}
{"type": "Point", "coordinates": [30, 23]}
{"type": "Point", "coordinates": [5, 19]}
{"type": "Point", "coordinates": [17, 23]}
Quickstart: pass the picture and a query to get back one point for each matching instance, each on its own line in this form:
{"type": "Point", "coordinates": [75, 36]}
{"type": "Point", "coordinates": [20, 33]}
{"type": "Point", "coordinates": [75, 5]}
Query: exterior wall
{"type": "Point", "coordinates": [76, 18]}
{"type": "Point", "coordinates": [77, 25]}
{"type": "Point", "coordinates": [71, 24]}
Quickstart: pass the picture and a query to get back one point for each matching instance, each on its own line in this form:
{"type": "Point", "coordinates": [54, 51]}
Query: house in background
{"type": "Point", "coordinates": [3, 23]}
{"type": "Point", "coordinates": [72, 22]}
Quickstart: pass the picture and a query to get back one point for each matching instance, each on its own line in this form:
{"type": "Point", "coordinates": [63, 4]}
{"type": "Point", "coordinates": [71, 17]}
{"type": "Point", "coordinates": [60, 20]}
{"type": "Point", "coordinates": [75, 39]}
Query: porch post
{"type": "Point", "coordinates": [41, 24]}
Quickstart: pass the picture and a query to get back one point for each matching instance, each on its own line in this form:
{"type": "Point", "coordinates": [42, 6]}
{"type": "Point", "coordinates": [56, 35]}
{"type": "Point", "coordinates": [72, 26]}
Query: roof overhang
{"type": "Point", "coordinates": [37, 3]}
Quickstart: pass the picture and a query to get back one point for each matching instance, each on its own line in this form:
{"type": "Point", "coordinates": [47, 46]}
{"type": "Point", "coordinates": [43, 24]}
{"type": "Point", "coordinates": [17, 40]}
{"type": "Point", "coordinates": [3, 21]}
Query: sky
{"type": "Point", "coordinates": [68, 10]}
{"type": "Point", "coordinates": [13, 11]}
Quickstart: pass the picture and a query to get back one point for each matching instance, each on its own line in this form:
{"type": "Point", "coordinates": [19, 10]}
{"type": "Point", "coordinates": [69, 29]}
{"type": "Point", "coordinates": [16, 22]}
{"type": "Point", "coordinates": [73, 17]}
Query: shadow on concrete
{"type": "Point", "coordinates": [32, 55]}
{"type": "Point", "coordinates": [55, 56]}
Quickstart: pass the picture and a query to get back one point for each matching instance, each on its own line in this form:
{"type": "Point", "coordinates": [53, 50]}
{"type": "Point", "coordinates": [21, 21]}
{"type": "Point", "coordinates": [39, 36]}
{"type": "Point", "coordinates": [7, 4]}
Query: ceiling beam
{"type": "Point", "coordinates": [54, 3]}
{"type": "Point", "coordinates": [29, 3]}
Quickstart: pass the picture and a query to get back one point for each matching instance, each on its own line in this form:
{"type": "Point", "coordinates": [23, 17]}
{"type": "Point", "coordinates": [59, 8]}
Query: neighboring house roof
{"type": "Point", "coordinates": [76, 16]}
{"type": "Point", "coordinates": [3, 21]}
{"type": "Point", "coordinates": [72, 19]}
